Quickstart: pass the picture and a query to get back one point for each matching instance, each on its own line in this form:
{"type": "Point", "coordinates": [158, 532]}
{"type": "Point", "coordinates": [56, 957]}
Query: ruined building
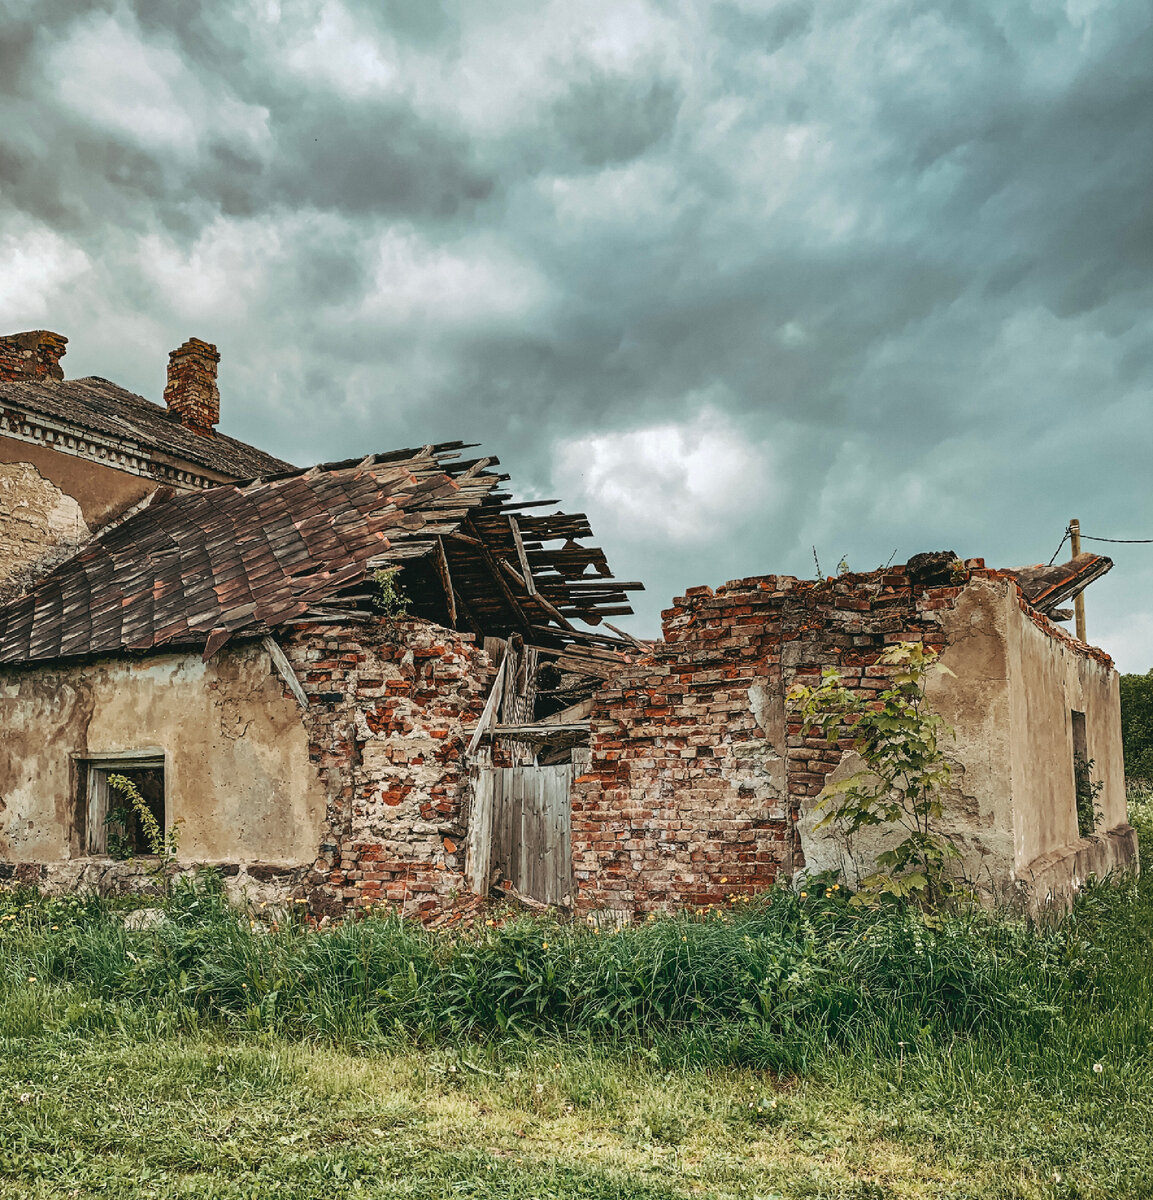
{"type": "Point", "coordinates": [385, 680]}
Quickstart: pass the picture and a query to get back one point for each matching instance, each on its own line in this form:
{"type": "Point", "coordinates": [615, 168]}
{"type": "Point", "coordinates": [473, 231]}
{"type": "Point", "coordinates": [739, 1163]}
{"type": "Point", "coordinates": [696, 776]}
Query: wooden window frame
{"type": "Point", "coordinates": [92, 803]}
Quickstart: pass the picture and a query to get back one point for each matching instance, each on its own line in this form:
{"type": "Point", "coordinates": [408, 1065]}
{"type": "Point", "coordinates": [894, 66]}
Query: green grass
{"type": "Point", "coordinates": [785, 1047]}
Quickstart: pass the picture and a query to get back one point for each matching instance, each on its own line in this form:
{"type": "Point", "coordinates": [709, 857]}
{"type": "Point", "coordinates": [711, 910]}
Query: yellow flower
{"type": "Point", "coordinates": [31, 978]}
{"type": "Point", "coordinates": [804, 895]}
{"type": "Point", "coordinates": [544, 945]}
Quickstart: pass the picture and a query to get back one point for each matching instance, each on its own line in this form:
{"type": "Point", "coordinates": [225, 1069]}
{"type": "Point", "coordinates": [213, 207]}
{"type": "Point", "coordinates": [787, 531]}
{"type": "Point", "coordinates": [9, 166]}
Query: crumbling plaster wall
{"type": "Point", "coordinates": [40, 525]}
{"type": "Point", "coordinates": [235, 749]}
{"type": "Point", "coordinates": [102, 492]}
{"type": "Point", "coordinates": [358, 799]}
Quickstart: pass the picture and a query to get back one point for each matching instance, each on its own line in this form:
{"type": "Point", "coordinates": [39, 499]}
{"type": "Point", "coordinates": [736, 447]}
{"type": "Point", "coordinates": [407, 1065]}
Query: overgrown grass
{"type": "Point", "coordinates": [771, 983]}
{"type": "Point", "coordinates": [792, 1045]}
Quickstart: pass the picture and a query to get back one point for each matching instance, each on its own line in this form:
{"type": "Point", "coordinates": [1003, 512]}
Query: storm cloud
{"type": "Point", "coordinates": [739, 279]}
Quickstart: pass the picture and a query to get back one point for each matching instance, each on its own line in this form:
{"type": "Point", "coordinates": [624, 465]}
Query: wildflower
{"type": "Point", "coordinates": [219, 1069]}
{"type": "Point", "coordinates": [540, 1089]}
{"type": "Point", "coordinates": [684, 939]}
{"type": "Point", "coordinates": [1097, 1068]}
{"type": "Point", "coordinates": [244, 985]}
{"type": "Point", "coordinates": [804, 895]}
{"type": "Point", "coordinates": [32, 979]}
{"type": "Point", "coordinates": [544, 945]}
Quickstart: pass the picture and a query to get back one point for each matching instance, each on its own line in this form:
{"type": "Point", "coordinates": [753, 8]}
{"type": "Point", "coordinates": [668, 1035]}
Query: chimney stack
{"type": "Point", "coordinates": [32, 355]}
{"type": "Point", "coordinates": [191, 394]}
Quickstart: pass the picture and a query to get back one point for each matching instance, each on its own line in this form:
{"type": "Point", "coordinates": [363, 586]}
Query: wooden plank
{"type": "Point", "coordinates": [574, 712]}
{"type": "Point", "coordinates": [281, 663]}
{"type": "Point", "coordinates": [446, 580]}
{"type": "Point", "coordinates": [478, 854]}
{"type": "Point", "coordinates": [488, 714]}
{"type": "Point", "coordinates": [526, 570]}
{"type": "Point", "coordinates": [536, 730]}
{"type": "Point", "coordinates": [628, 637]}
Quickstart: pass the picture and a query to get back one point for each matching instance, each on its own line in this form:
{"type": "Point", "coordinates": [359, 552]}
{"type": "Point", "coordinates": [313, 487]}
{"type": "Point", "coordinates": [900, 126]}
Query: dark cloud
{"type": "Point", "coordinates": [737, 279]}
{"type": "Point", "coordinates": [607, 119]}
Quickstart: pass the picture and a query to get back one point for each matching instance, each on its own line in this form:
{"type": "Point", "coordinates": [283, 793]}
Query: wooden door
{"type": "Point", "coordinates": [521, 830]}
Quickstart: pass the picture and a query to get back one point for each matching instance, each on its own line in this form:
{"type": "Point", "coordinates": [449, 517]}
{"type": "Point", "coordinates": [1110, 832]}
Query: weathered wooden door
{"type": "Point", "coordinates": [521, 823]}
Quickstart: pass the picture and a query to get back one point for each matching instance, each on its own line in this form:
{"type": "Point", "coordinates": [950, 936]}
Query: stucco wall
{"type": "Point", "coordinates": [237, 754]}
{"type": "Point", "coordinates": [1051, 678]}
{"type": "Point", "coordinates": [975, 701]}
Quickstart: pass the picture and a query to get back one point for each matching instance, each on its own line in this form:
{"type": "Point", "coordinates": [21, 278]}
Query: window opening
{"type": "Point", "coordinates": [112, 825]}
{"type": "Point", "coordinates": [1085, 789]}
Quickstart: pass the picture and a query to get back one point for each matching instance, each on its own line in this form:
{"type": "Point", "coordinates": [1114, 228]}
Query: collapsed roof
{"type": "Point", "coordinates": [198, 568]}
{"type": "Point", "coordinates": [1047, 587]}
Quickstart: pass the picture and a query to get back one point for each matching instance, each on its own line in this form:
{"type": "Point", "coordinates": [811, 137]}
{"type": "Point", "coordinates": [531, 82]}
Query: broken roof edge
{"type": "Point", "coordinates": [246, 557]}
{"type": "Point", "coordinates": [938, 570]}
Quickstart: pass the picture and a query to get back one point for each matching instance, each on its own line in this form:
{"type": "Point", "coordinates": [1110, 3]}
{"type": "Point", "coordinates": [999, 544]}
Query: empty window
{"type": "Point", "coordinates": [1085, 788]}
{"type": "Point", "coordinates": [116, 818]}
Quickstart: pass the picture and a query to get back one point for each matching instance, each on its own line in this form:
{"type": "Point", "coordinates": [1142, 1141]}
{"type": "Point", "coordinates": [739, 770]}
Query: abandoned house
{"type": "Point", "coordinates": [364, 682]}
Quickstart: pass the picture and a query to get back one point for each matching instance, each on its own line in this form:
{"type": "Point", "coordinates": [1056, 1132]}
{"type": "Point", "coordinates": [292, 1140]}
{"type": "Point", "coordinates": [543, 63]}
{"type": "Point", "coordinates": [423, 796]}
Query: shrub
{"type": "Point", "coordinates": [1137, 725]}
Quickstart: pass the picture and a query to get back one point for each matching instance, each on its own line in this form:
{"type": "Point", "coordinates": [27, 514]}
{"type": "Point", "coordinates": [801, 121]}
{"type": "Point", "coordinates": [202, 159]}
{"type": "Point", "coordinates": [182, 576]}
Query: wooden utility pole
{"type": "Point", "coordinates": [1079, 599]}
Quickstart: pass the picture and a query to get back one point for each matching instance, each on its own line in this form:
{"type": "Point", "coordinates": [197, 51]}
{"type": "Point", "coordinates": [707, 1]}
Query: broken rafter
{"type": "Point", "coordinates": [538, 599]}
{"type": "Point", "coordinates": [526, 570]}
{"type": "Point", "coordinates": [637, 643]}
{"type": "Point", "coordinates": [494, 570]}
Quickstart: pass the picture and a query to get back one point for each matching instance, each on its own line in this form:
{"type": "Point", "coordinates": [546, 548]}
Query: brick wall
{"type": "Point", "coordinates": [697, 771]}
{"type": "Point", "coordinates": [32, 355]}
{"type": "Point", "coordinates": [682, 803]}
{"type": "Point", "coordinates": [389, 708]}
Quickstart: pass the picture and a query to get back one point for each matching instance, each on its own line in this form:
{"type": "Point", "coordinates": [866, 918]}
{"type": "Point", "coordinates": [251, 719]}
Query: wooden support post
{"type": "Point", "coordinates": [446, 581]}
{"type": "Point", "coordinates": [1079, 599]}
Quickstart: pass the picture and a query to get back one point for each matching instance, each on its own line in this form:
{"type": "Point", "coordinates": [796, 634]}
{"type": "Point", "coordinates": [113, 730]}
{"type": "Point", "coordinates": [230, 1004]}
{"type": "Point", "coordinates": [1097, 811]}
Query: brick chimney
{"type": "Point", "coordinates": [191, 394]}
{"type": "Point", "coordinates": [32, 355]}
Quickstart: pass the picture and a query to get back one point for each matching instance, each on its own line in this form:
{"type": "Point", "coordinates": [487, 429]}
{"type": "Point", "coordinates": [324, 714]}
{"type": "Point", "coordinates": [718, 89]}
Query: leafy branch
{"type": "Point", "coordinates": [905, 774]}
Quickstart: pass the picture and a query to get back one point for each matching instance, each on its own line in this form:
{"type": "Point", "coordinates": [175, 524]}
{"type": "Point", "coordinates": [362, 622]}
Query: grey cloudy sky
{"type": "Point", "coordinates": [737, 278]}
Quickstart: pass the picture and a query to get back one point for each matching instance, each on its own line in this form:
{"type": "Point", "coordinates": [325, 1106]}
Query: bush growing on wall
{"type": "Point", "coordinates": [1137, 725]}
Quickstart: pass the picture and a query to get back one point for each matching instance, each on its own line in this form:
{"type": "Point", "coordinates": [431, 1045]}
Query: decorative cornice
{"type": "Point", "coordinates": [121, 455]}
